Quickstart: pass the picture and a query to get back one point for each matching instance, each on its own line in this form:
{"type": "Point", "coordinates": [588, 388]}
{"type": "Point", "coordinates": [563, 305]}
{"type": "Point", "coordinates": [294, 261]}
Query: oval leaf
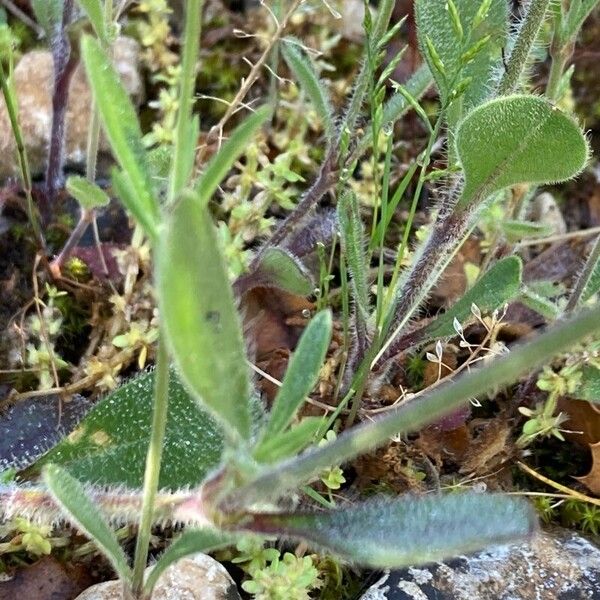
{"type": "Point", "coordinates": [88, 194]}
{"type": "Point", "coordinates": [109, 446]}
{"type": "Point", "coordinates": [389, 534]}
{"type": "Point", "coordinates": [199, 316]}
{"type": "Point", "coordinates": [517, 139]}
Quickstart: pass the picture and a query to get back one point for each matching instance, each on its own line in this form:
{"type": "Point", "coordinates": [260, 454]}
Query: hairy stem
{"type": "Point", "coordinates": [414, 415]}
{"type": "Point", "coordinates": [526, 36]}
{"type": "Point", "coordinates": [64, 67]}
{"type": "Point", "coordinates": [584, 279]}
{"type": "Point", "coordinates": [153, 461]}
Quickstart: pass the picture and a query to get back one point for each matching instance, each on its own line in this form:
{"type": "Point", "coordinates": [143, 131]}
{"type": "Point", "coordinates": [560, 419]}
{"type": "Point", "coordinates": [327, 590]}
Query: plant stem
{"type": "Point", "coordinates": [584, 279]}
{"type": "Point", "coordinates": [528, 32]}
{"type": "Point", "coordinates": [153, 461]}
{"type": "Point", "coordinates": [560, 57]}
{"type": "Point", "coordinates": [12, 110]}
{"type": "Point", "coordinates": [414, 415]}
{"type": "Point", "coordinates": [64, 67]}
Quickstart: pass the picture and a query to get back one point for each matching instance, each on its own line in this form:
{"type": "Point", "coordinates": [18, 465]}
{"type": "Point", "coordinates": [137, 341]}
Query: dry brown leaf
{"type": "Point", "coordinates": [592, 479]}
{"type": "Point", "coordinates": [583, 423]}
{"type": "Point", "coordinates": [489, 449]}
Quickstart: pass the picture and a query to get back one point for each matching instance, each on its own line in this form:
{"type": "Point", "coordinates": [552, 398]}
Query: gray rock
{"type": "Point", "coordinates": [33, 78]}
{"type": "Point", "coordinates": [559, 565]}
{"type": "Point", "coordinates": [545, 210]}
{"type": "Point", "coordinates": [198, 577]}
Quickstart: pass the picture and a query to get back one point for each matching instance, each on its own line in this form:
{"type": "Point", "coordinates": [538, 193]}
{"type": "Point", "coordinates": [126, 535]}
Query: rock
{"type": "Point", "coordinates": [33, 78]}
{"type": "Point", "coordinates": [544, 209]}
{"type": "Point", "coordinates": [559, 565]}
{"type": "Point", "coordinates": [198, 577]}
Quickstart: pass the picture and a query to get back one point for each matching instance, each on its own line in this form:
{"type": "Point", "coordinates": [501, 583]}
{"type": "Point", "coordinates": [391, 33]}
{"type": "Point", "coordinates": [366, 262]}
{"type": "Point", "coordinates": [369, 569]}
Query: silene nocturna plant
{"type": "Point", "coordinates": [189, 442]}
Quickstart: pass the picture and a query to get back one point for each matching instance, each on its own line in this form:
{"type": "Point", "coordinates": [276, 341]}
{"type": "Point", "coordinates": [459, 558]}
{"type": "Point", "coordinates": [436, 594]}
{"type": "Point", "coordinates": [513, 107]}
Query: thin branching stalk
{"type": "Point", "coordinates": [584, 278]}
{"type": "Point", "coordinates": [153, 461]}
{"type": "Point", "coordinates": [413, 415]}
{"type": "Point", "coordinates": [11, 108]}
{"type": "Point", "coordinates": [526, 37]}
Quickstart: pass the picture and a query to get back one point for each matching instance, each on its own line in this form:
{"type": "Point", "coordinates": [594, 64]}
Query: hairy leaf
{"type": "Point", "coordinates": [279, 268]}
{"type": "Point", "coordinates": [309, 81]}
{"type": "Point", "coordinates": [189, 542]}
{"type": "Point", "coordinates": [593, 284]}
{"type": "Point", "coordinates": [435, 23]}
{"type": "Point", "coordinates": [109, 446]}
{"type": "Point", "coordinates": [302, 373]}
{"type": "Point", "coordinates": [354, 246]}
{"type": "Point", "coordinates": [517, 139]}
{"type": "Point", "coordinates": [49, 14]}
{"type": "Point", "coordinates": [199, 316]}
{"type": "Point", "coordinates": [71, 496]}
{"type": "Point", "coordinates": [411, 531]}
{"type": "Point", "coordinates": [279, 446]}
{"type": "Point", "coordinates": [518, 230]}
{"type": "Point", "coordinates": [95, 13]}
{"type": "Point", "coordinates": [88, 194]}
{"type": "Point", "coordinates": [220, 164]}
{"type": "Point", "coordinates": [497, 287]}
{"type": "Point", "coordinates": [122, 128]}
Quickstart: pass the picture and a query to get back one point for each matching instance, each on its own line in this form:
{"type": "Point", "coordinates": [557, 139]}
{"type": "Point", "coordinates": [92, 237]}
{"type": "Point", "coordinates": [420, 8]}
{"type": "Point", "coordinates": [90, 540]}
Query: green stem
{"type": "Point", "coordinates": [528, 32]}
{"type": "Point", "coordinates": [560, 57]}
{"type": "Point", "coordinates": [153, 461]}
{"type": "Point", "coordinates": [414, 415]}
{"type": "Point", "coordinates": [11, 108]}
{"type": "Point", "coordinates": [585, 277]}
{"type": "Point", "coordinates": [180, 164]}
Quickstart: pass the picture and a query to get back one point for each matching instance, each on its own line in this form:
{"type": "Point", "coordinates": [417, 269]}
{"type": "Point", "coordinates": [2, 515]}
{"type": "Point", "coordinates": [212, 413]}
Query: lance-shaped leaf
{"type": "Point", "coordinates": [518, 230]}
{"type": "Point", "coordinates": [190, 542]}
{"type": "Point", "coordinates": [497, 287]}
{"type": "Point", "coordinates": [88, 194]}
{"type": "Point", "coordinates": [288, 443]}
{"type": "Point", "coordinates": [49, 14]}
{"type": "Point", "coordinates": [71, 496]}
{"type": "Point", "coordinates": [95, 13]}
{"type": "Point", "coordinates": [109, 445]}
{"type": "Point", "coordinates": [220, 164]}
{"type": "Point", "coordinates": [199, 316]}
{"type": "Point", "coordinates": [302, 373]}
{"type": "Point", "coordinates": [389, 534]}
{"type": "Point", "coordinates": [123, 130]}
{"type": "Point", "coordinates": [447, 29]}
{"type": "Point", "coordinates": [305, 74]}
{"type": "Point", "coordinates": [353, 247]}
{"type": "Point", "coordinates": [278, 268]}
{"type": "Point", "coordinates": [517, 139]}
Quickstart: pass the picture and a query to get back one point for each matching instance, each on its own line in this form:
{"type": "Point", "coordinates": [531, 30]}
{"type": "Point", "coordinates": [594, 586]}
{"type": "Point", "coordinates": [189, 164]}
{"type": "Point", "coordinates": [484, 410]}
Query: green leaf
{"type": "Point", "coordinates": [517, 139]}
{"type": "Point", "coordinates": [353, 246]}
{"type": "Point", "coordinates": [435, 23]}
{"type": "Point", "coordinates": [589, 387]}
{"type": "Point", "coordinates": [543, 306]}
{"type": "Point", "coordinates": [123, 131]}
{"type": "Point", "coordinates": [518, 230]}
{"type": "Point", "coordinates": [593, 284]}
{"type": "Point", "coordinates": [302, 373]}
{"type": "Point", "coordinates": [279, 268]}
{"type": "Point", "coordinates": [190, 542]}
{"type": "Point", "coordinates": [288, 443]}
{"type": "Point", "coordinates": [411, 531]}
{"type": "Point", "coordinates": [199, 316]}
{"type": "Point", "coordinates": [220, 164]}
{"type": "Point", "coordinates": [308, 79]}
{"type": "Point", "coordinates": [88, 194]}
{"type": "Point", "coordinates": [71, 496]}
{"type": "Point", "coordinates": [109, 446]}
{"type": "Point", "coordinates": [95, 13]}
{"type": "Point", "coordinates": [497, 287]}
{"type": "Point", "coordinates": [49, 14]}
